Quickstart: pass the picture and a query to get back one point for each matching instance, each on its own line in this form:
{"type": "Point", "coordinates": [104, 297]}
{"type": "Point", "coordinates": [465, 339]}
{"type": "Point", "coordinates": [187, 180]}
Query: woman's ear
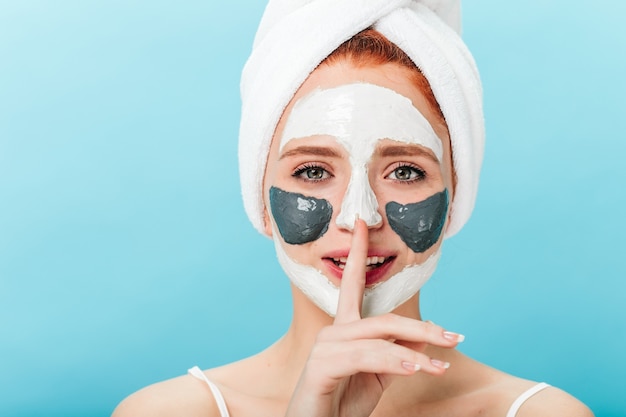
{"type": "Point", "coordinates": [267, 223]}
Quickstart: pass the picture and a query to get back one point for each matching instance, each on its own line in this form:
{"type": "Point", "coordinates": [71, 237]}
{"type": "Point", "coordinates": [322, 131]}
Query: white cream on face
{"type": "Point", "coordinates": [379, 299]}
{"type": "Point", "coordinates": [358, 116]}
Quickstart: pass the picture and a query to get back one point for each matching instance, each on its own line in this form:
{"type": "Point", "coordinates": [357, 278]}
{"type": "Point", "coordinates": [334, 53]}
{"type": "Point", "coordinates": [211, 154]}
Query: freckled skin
{"type": "Point", "coordinates": [300, 219]}
{"type": "Point", "coordinates": [419, 225]}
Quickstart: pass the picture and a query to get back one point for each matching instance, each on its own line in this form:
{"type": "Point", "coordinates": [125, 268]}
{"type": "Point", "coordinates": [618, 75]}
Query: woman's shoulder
{"type": "Point", "coordinates": [549, 401]}
{"type": "Point", "coordinates": [180, 396]}
{"type": "Point", "coordinates": [518, 397]}
{"type": "Point", "coordinates": [191, 395]}
{"type": "Point", "coordinates": [493, 392]}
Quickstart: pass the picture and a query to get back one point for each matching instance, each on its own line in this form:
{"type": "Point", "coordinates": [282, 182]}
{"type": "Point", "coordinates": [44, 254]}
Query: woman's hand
{"type": "Point", "coordinates": [355, 360]}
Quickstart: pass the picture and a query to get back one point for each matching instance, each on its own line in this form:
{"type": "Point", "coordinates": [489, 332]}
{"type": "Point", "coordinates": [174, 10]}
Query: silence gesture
{"type": "Point", "coordinates": [355, 360]}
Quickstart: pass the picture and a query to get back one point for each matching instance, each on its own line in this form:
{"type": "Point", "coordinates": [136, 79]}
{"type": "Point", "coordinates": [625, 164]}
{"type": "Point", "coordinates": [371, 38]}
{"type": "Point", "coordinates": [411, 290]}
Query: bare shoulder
{"type": "Point", "coordinates": [182, 396]}
{"type": "Point", "coordinates": [552, 401]}
{"type": "Point", "coordinates": [493, 392]}
{"type": "Point", "coordinates": [187, 396]}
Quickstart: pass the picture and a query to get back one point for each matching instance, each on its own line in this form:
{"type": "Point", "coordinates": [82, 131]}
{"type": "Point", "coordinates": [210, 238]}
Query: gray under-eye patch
{"type": "Point", "coordinates": [419, 225]}
{"type": "Point", "coordinates": [300, 219]}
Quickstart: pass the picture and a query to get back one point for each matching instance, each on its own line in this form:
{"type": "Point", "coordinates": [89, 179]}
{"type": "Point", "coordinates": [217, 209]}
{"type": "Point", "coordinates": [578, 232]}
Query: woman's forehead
{"type": "Point", "coordinates": [359, 115]}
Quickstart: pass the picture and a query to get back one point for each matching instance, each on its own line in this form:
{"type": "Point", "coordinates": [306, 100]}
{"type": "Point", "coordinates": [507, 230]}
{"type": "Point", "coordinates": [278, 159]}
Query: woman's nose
{"type": "Point", "coordinates": [359, 202]}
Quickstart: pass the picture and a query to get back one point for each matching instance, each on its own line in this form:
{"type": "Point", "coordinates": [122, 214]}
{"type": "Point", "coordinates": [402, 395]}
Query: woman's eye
{"type": "Point", "coordinates": [407, 173]}
{"type": "Point", "coordinates": [312, 173]}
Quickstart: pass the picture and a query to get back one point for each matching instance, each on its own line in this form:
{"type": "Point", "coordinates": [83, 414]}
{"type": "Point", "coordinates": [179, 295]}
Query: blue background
{"type": "Point", "coordinates": [125, 254]}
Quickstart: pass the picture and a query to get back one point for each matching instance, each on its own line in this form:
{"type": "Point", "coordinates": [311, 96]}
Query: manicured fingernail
{"type": "Point", "coordinates": [411, 366]}
{"type": "Point", "coordinates": [454, 337]}
{"type": "Point", "coordinates": [440, 364]}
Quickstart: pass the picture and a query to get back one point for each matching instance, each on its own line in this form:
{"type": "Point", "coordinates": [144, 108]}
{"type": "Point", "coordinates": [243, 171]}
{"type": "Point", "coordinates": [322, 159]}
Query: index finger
{"type": "Point", "coordinates": [353, 278]}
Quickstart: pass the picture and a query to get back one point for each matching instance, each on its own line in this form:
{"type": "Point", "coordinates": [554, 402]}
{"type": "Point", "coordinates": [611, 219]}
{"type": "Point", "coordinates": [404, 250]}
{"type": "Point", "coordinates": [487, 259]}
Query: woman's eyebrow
{"type": "Point", "coordinates": [311, 150]}
{"type": "Point", "coordinates": [399, 150]}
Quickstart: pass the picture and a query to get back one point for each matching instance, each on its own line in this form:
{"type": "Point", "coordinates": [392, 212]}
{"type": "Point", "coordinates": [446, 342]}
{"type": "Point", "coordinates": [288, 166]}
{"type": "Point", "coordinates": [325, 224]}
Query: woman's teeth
{"type": "Point", "coordinates": [373, 261]}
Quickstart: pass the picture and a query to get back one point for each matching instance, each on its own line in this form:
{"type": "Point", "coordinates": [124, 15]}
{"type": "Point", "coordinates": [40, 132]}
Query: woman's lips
{"type": "Point", "coordinates": [374, 273]}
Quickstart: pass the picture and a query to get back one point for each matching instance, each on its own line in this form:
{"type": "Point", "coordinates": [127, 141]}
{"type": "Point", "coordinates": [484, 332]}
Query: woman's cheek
{"type": "Point", "coordinates": [419, 224]}
{"type": "Point", "coordinates": [300, 219]}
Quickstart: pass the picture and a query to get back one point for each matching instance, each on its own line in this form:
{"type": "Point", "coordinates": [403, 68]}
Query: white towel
{"type": "Point", "coordinates": [294, 36]}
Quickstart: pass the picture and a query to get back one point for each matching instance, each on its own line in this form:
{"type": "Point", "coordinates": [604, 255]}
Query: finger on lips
{"type": "Point", "coordinates": [381, 344]}
{"type": "Point", "coordinates": [353, 277]}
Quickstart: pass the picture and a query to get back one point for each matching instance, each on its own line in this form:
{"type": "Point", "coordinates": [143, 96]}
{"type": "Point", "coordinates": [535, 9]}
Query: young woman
{"type": "Point", "coordinates": [371, 161]}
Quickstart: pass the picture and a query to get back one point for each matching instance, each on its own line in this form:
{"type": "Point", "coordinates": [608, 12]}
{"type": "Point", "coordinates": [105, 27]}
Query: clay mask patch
{"type": "Point", "coordinates": [299, 219]}
{"type": "Point", "coordinates": [419, 225]}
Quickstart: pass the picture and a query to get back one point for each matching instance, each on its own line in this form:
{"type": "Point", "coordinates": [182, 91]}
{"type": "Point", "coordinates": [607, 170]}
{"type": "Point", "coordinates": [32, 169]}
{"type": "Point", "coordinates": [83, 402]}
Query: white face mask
{"type": "Point", "coordinates": [358, 116]}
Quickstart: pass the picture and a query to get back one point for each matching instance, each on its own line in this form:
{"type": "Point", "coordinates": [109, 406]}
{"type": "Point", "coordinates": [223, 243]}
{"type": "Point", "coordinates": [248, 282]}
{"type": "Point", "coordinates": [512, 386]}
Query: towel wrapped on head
{"type": "Point", "coordinates": [295, 36]}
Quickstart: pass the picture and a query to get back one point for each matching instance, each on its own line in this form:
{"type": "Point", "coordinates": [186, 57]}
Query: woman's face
{"type": "Point", "coordinates": [336, 155]}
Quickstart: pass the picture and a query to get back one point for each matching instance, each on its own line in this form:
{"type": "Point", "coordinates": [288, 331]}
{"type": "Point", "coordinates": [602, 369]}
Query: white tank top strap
{"type": "Point", "coordinates": [219, 398]}
{"type": "Point", "coordinates": [523, 397]}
